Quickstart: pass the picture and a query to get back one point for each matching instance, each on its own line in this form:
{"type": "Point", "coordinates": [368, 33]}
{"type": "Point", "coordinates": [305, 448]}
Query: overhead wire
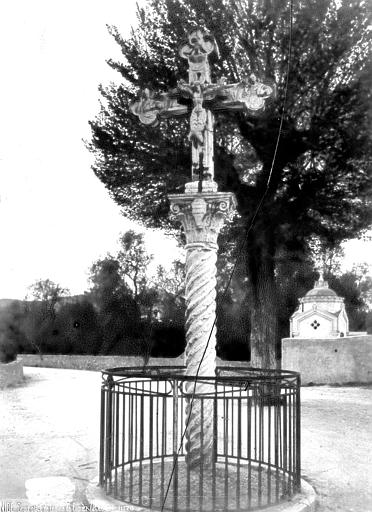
{"type": "Point", "coordinates": [259, 206]}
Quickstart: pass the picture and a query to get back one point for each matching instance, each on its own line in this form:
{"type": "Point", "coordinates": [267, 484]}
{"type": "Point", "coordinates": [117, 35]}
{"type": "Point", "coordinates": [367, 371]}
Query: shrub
{"type": "Point", "coordinates": [8, 349]}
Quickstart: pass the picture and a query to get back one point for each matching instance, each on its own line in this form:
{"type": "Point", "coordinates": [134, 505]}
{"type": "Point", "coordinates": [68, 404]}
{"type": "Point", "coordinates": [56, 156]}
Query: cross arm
{"type": "Point", "coordinates": [249, 96]}
{"type": "Point", "coordinates": [151, 107]}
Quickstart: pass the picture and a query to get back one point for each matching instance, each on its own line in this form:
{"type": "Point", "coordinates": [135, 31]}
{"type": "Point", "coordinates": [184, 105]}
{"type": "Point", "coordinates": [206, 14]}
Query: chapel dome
{"type": "Point", "coordinates": [321, 292]}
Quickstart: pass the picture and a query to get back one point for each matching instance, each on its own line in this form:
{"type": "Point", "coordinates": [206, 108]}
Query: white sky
{"type": "Point", "coordinates": [56, 217]}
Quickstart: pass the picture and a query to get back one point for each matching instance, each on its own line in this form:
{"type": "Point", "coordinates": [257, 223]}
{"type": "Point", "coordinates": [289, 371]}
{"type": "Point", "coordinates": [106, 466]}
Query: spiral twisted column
{"type": "Point", "coordinates": [202, 215]}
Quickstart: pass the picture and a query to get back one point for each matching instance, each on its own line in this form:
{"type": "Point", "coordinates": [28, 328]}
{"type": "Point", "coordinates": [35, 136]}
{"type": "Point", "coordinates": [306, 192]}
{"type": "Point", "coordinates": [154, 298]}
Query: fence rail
{"type": "Point", "coordinates": [255, 453]}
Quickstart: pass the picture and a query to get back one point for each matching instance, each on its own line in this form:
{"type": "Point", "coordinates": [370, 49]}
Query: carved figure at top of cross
{"type": "Point", "coordinates": [196, 51]}
{"type": "Point", "coordinates": [203, 99]}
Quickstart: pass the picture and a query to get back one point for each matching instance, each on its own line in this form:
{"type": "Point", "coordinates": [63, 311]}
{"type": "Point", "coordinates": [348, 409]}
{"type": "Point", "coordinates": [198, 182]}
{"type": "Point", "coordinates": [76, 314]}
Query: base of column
{"type": "Point", "coordinates": [207, 186]}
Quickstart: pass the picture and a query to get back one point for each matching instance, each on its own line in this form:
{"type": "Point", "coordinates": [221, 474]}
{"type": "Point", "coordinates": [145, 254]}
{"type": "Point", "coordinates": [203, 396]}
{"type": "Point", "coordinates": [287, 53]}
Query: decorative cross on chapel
{"type": "Point", "coordinates": [202, 98]}
{"type": "Point", "coordinates": [315, 324]}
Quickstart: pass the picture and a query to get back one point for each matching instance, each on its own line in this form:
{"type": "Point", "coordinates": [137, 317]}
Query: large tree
{"type": "Point", "coordinates": [303, 168]}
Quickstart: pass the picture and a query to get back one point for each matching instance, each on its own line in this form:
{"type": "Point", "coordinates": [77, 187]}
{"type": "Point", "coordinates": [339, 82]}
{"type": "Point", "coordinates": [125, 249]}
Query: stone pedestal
{"type": "Point", "coordinates": [202, 215]}
{"type": "Point", "coordinates": [11, 374]}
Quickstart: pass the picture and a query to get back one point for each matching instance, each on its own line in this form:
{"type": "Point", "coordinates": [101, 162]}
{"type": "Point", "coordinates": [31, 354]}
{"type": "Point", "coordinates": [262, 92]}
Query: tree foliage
{"type": "Point", "coordinates": [76, 329]}
{"type": "Point", "coordinates": [48, 294]}
{"type": "Point", "coordinates": [309, 155]}
{"type": "Point", "coordinates": [170, 286]}
{"type": "Point", "coordinates": [11, 335]}
{"type": "Point", "coordinates": [118, 312]}
{"type": "Point", "coordinates": [134, 261]}
{"type": "Point", "coordinates": [355, 286]}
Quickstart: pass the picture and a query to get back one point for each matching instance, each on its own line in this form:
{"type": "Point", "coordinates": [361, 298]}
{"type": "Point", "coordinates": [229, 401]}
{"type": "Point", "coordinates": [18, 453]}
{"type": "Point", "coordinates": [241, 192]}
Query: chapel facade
{"type": "Point", "coordinates": [321, 314]}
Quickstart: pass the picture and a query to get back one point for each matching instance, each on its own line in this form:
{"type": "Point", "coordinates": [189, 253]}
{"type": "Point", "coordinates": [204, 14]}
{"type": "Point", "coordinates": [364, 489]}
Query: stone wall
{"type": "Point", "coordinates": [94, 363]}
{"type": "Point", "coordinates": [329, 360]}
{"type": "Point", "coordinates": [97, 363]}
{"type": "Point", "coordinates": [11, 374]}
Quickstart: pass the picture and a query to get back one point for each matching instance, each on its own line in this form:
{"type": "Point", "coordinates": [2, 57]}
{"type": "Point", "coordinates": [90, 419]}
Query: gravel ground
{"type": "Point", "coordinates": [336, 446]}
{"type": "Point", "coordinates": [50, 428]}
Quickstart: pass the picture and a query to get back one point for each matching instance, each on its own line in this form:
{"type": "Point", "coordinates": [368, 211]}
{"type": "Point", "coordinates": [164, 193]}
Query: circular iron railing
{"type": "Point", "coordinates": [255, 447]}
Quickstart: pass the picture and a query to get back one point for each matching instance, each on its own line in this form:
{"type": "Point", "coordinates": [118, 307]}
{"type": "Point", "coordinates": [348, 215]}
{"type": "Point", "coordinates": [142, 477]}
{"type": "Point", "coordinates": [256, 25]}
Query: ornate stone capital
{"type": "Point", "coordinates": [202, 215]}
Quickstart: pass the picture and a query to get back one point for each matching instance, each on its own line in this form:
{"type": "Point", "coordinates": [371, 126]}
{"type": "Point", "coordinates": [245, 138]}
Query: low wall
{"type": "Point", "coordinates": [94, 363]}
{"type": "Point", "coordinates": [97, 363]}
{"type": "Point", "coordinates": [329, 360]}
{"type": "Point", "coordinates": [11, 374]}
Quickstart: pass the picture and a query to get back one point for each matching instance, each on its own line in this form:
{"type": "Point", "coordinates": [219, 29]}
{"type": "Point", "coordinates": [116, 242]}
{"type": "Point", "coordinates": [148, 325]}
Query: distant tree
{"type": "Point", "coordinates": [171, 280]}
{"type": "Point", "coordinates": [78, 323]}
{"type": "Point", "coordinates": [72, 329]}
{"type": "Point", "coordinates": [148, 299]}
{"type": "Point", "coordinates": [355, 286]}
{"type": "Point", "coordinates": [118, 312]}
{"type": "Point", "coordinates": [167, 339]}
{"type": "Point", "coordinates": [320, 180]}
{"type": "Point", "coordinates": [106, 281]}
{"type": "Point", "coordinates": [170, 285]}
{"type": "Point", "coordinates": [363, 273]}
{"type": "Point", "coordinates": [40, 313]}
{"type": "Point", "coordinates": [48, 293]}
{"type": "Point", "coordinates": [326, 257]}
{"type": "Point", "coordinates": [134, 260]}
{"type": "Point", "coordinates": [369, 322]}
{"type": "Point", "coordinates": [12, 337]}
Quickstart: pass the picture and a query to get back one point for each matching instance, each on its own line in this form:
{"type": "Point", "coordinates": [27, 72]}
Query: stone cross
{"type": "Point", "coordinates": [202, 211]}
{"type": "Point", "coordinates": [201, 99]}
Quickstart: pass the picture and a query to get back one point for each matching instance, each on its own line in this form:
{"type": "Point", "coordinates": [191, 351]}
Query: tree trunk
{"type": "Point", "coordinates": [264, 328]}
{"type": "Point", "coordinates": [264, 301]}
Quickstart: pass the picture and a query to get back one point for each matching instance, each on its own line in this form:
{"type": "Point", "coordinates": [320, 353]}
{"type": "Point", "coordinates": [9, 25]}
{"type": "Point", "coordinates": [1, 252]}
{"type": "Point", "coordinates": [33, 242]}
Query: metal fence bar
{"type": "Point", "coordinates": [202, 461]}
{"type": "Point", "coordinates": [290, 444]}
{"type": "Point", "coordinates": [175, 444]}
{"type": "Point", "coordinates": [102, 438]}
{"type": "Point", "coordinates": [249, 448]}
{"type": "Point", "coordinates": [239, 447]}
{"type": "Point", "coordinates": [163, 448]}
{"type": "Point", "coordinates": [141, 446]}
{"type": "Point", "coordinates": [151, 448]}
{"type": "Point", "coordinates": [116, 416]}
{"type": "Point", "coordinates": [215, 445]}
{"type": "Point", "coordinates": [108, 463]}
{"type": "Point", "coordinates": [298, 436]}
{"type": "Point", "coordinates": [157, 418]}
{"type": "Point", "coordinates": [226, 447]}
{"type": "Point", "coordinates": [124, 438]}
{"type": "Point", "coordinates": [130, 441]}
{"type": "Point", "coordinates": [259, 411]}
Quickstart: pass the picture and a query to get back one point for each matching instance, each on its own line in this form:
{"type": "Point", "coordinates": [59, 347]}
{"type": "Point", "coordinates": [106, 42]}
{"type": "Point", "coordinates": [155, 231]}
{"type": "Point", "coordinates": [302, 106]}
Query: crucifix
{"type": "Point", "coordinates": [201, 99]}
{"type": "Point", "coordinates": [202, 211]}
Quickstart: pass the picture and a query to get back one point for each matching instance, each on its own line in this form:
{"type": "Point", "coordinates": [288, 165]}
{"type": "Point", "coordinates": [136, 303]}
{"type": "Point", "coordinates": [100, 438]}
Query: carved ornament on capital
{"type": "Point", "coordinates": [202, 215]}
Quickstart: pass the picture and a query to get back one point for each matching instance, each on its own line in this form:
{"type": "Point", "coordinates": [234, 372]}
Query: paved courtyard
{"type": "Point", "coordinates": [50, 435]}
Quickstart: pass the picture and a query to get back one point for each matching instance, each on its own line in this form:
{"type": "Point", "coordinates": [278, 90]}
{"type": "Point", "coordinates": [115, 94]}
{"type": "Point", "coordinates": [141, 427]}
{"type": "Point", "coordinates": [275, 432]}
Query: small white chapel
{"type": "Point", "coordinates": [321, 314]}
